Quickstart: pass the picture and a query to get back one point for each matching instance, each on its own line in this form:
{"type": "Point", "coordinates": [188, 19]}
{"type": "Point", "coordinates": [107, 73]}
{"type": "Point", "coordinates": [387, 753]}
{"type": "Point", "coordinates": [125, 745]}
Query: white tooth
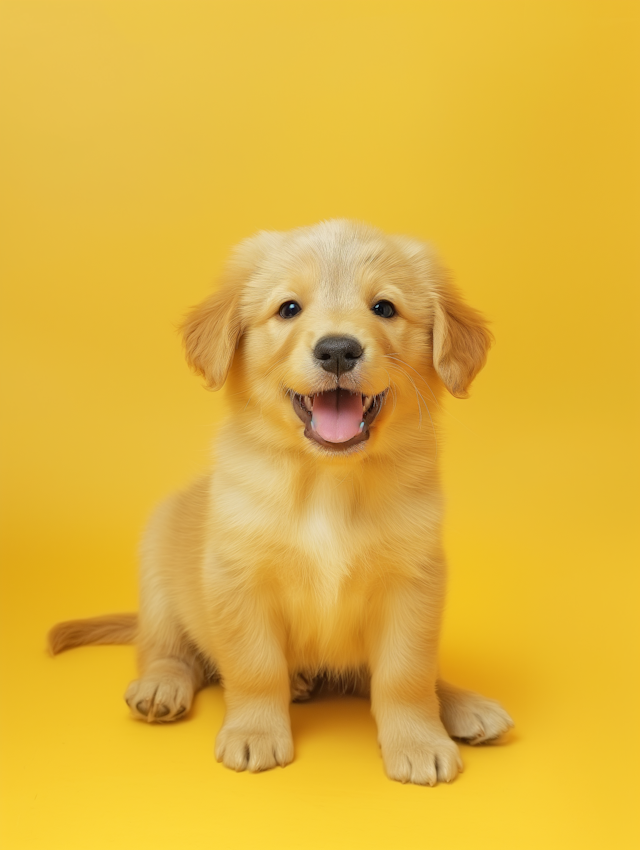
{"type": "Point", "coordinates": [368, 401]}
{"type": "Point", "coordinates": [308, 403]}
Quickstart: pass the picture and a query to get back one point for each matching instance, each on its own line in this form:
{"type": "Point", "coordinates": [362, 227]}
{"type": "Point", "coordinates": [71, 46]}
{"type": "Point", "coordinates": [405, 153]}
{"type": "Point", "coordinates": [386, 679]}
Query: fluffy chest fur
{"type": "Point", "coordinates": [324, 545]}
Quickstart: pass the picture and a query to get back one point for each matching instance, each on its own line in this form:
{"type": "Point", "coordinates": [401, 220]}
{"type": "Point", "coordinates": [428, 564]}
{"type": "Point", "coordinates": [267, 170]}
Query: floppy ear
{"type": "Point", "coordinates": [460, 337]}
{"type": "Point", "coordinates": [212, 330]}
{"type": "Point", "coordinates": [461, 341]}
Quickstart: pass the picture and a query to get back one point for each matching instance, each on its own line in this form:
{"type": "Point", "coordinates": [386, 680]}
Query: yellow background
{"type": "Point", "coordinates": [140, 141]}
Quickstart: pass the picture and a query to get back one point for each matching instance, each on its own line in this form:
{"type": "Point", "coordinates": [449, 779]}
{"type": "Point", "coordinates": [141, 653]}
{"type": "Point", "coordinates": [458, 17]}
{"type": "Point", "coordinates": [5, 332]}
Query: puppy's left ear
{"type": "Point", "coordinates": [461, 340]}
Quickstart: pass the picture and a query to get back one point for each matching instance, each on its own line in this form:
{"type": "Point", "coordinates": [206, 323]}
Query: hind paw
{"type": "Point", "coordinates": [160, 699]}
{"type": "Point", "coordinates": [303, 686]}
{"type": "Point", "coordinates": [472, 718]}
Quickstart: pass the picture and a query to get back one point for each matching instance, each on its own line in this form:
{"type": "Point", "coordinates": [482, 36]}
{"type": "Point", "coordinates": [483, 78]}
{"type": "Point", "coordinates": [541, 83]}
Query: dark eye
{"type": "Point", "coordinates": [289, 309]}
{"type": "Point", "coordinates": [384, 309]}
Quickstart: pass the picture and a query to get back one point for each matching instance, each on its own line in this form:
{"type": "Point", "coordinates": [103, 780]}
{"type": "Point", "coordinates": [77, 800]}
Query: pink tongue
{"type": "Point", "coordinates": [337, 415]}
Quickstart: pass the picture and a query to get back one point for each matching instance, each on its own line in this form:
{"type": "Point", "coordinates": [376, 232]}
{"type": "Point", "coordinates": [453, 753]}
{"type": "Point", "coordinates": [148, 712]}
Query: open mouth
{"type": "Point", "coordinates": [337, 419]}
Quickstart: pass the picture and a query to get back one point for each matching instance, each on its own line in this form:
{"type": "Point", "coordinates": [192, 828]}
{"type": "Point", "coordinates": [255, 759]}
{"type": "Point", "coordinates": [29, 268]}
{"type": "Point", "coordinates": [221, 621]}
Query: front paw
{"type": "Point", "coordinates": [254, 748]}
{"type": "Point", "coordinates": [422, 757]}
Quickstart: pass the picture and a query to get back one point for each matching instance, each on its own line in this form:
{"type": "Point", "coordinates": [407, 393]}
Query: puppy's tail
{"type": "Point", "coordinates": [112, 628]}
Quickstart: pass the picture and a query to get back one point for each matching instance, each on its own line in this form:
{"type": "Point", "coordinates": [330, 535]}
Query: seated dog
{"type": "Point", "coordinates": [313, 547]}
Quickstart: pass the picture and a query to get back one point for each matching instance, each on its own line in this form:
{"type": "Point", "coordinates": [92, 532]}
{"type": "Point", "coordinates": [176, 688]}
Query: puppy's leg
{"type": "Point", "coordinates": [170, 669]}
{"type": "Point", "coordinates": [470, 717]}
{"type": "Point", "coordinates": [256, 734]}
{"type": "Point", "coordinates": [415, 744]}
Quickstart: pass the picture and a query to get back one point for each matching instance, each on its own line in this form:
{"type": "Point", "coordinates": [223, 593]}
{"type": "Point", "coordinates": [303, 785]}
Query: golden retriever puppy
{"type": "Point", "coordinates": [314, 545]}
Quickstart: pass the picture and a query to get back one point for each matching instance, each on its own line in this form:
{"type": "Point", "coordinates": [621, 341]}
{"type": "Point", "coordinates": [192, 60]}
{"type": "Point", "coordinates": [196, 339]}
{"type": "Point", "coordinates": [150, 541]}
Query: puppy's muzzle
{"type": "Point", "coordinates": [338, 354]}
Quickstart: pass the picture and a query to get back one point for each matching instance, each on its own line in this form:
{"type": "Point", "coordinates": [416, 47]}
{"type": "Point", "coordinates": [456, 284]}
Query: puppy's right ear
{"type": "Point", "coordinates": [212, 330]}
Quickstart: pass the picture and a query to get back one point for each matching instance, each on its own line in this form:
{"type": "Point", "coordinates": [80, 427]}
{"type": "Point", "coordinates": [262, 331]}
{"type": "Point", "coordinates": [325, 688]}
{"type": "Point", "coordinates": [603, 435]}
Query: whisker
{"type": "Point", "coordinates": [393, 392]}
{"type": "Point", "coordinates": [419, 398]}
{"type": "Point", "coordinates": [396, 357]}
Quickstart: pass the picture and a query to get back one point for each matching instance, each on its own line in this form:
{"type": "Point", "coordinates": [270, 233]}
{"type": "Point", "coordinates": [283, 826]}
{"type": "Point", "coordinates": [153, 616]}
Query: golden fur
{"type": "Point", "coordinates": [289, 559]}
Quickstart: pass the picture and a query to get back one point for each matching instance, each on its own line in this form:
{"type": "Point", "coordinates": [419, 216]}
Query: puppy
{"type": "Point", "coordinates": [314, 546]}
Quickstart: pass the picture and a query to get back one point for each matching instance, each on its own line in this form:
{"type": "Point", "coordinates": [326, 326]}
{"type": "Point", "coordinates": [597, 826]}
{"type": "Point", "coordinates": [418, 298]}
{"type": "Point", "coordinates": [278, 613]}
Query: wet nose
{"type": "Point", "coordinates": [338, 354]}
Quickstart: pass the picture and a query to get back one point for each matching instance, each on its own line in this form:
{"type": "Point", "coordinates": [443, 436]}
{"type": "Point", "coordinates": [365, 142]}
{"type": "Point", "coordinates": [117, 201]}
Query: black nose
{"type": "Point", "coordinates": [338, 354]}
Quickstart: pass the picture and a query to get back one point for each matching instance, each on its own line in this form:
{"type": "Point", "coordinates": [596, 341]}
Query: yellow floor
{"type": "Point", "coordinates": [140, 141]}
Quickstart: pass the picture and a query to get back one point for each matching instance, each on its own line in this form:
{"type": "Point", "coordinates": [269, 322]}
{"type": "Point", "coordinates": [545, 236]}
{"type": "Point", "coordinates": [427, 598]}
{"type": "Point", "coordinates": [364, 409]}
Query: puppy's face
{"type": "Point", "coordinates": [339, 330]}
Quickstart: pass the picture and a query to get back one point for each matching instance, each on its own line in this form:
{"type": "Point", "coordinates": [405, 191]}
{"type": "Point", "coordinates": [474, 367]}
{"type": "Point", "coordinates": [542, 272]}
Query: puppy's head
{"type": "Point", "coordinates": [329, 334]}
